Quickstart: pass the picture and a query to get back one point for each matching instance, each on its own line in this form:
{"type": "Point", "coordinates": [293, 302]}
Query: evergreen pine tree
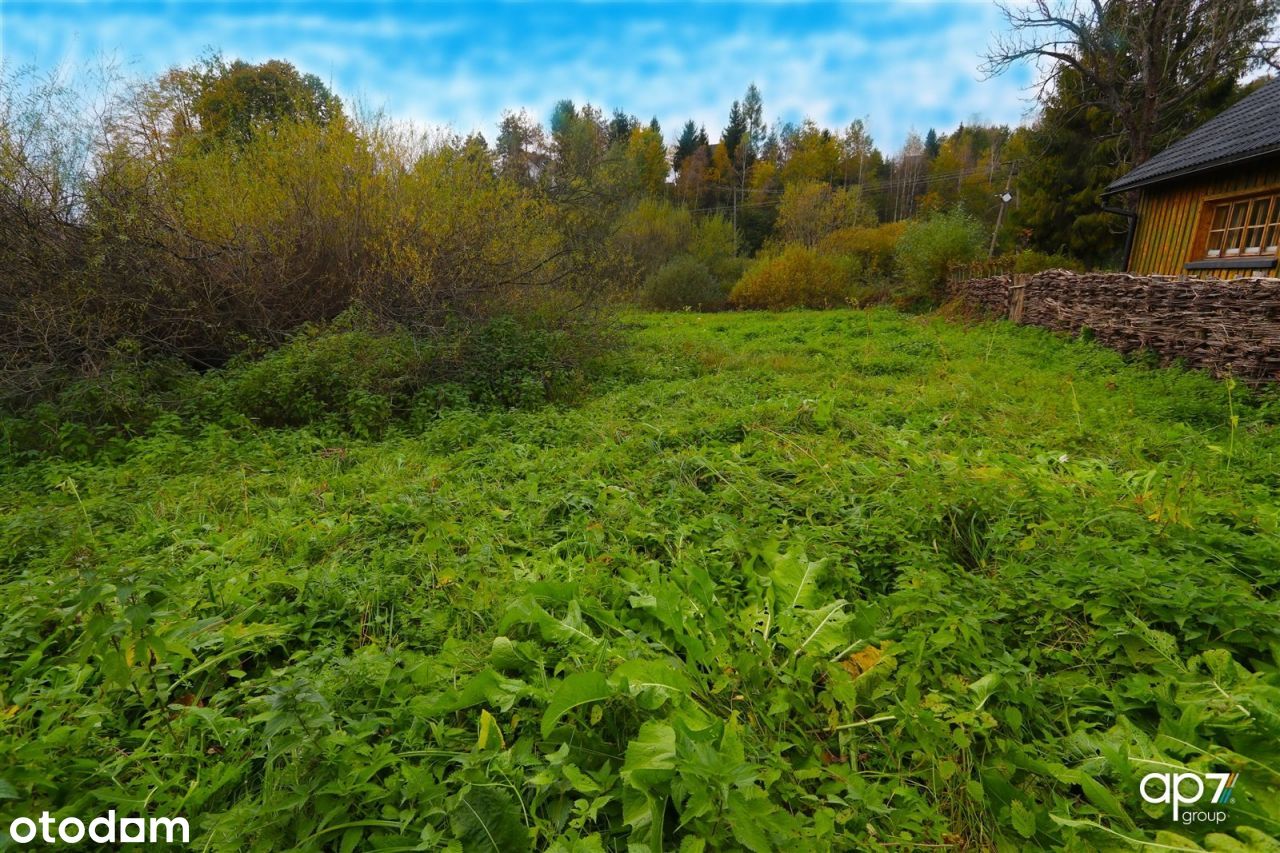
{"type": "Point", "coordinates": [685, 145]}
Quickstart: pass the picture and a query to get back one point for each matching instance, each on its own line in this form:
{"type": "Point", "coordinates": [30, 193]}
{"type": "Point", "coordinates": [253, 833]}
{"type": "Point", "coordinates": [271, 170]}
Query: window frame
{"type": "Point", "coordinates": [1228, 226]}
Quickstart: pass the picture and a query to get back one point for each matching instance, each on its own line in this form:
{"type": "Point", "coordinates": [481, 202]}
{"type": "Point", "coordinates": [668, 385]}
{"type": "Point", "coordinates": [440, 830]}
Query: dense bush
{"type": "Point", "coordinates": [811, 210]}
{"type": "Point", "coordinates": [169, 240]}
{"type": "Point", "coordinates": [873, 246]}
{"type": "Point", "coordinates": [655, 232]}
{"type": "Point", "coordinates": [517, 362]}
{"type": "Point", "coordinates": [869, 250]}
{"type": "Point", "coordinates": [107, 409]}
{"type": "Point", "coordinates": [353, 378]}
{"type": "Point", "coordinates": [347, 377]}
{"type": "Point", "coordinates": [796, 277]}
{"type": "Point", "coordinates": [684, 282]}
{"type": "Point", "coordinates": [727, 270]}
{"type": "Point", "coordinates": [1031, 261]}
{"type": "Point", "coordinates": [927, 250]}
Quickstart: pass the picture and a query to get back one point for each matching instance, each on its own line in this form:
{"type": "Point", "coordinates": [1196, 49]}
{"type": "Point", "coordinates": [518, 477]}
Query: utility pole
{"type": "Point", "coordinates": [1005, 198]}
{"type": "Point", "coordinates": [733, 193]}
{"type": "Point", "coordinates": [733, 188]}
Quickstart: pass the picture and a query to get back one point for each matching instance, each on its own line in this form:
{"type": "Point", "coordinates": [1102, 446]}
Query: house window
{"type": "Point", "coordinates": [1248, 226]}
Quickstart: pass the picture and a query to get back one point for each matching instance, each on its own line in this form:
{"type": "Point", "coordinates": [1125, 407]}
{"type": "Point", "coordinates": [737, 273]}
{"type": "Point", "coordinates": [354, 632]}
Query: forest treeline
{"type": "Point", "coordinates": [213, 211]}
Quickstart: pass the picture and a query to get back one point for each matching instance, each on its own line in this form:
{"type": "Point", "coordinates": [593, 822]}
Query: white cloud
{"type": "Point", "coordinates": [903, 67]}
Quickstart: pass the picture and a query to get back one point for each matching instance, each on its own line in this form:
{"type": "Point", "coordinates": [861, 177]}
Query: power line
{"type": "Point", "coordinates": [893, 182]}
{"type": "Point", "coordinates": [888, 184]}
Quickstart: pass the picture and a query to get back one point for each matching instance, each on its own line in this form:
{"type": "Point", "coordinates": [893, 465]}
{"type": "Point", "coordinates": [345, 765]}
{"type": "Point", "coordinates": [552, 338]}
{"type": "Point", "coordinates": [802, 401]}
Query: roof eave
{"type": "Point", "coordinates": [1120, 186]}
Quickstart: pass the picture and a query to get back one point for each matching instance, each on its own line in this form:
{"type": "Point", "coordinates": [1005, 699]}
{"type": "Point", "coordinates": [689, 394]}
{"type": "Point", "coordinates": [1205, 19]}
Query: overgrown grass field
{"type": "Point", "coordinates": [841, 580]}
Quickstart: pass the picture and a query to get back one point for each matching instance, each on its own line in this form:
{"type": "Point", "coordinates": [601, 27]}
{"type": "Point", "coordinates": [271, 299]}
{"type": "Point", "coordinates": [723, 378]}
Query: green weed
{"type": "Point", "coordinates": [929, 586]}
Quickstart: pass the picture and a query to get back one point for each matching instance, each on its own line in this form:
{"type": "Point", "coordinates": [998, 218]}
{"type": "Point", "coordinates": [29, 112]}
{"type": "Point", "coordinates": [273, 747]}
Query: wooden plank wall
{"type": "Point", "coordinates": [1168, 216]}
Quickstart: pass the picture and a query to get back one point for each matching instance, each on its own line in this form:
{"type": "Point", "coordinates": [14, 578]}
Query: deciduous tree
{"type": "Point", "coordinates": [1151, 63]}
{"type": "Point", "coordinates": [235, 100]}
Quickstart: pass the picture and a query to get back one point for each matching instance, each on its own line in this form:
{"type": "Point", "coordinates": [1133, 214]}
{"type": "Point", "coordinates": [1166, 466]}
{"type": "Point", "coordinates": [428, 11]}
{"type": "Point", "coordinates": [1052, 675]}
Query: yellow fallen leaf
{"type": "Point", "coordinates": [488, 728]}
{"type": "Point", "coordinates": [860, 661]}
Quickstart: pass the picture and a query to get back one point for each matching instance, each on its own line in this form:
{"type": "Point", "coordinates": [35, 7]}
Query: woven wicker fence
{"type": "Point", "coordinates": [1226, 327]}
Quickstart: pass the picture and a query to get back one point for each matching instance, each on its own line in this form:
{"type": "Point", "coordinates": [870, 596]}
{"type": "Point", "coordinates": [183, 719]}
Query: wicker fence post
{"type": "Point", "coordinates": [1017, 297]}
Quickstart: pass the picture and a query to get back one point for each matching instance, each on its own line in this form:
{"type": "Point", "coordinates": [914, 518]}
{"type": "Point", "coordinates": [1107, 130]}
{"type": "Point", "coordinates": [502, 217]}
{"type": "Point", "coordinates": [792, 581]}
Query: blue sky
{"type": "Point", "coordinates": [899, 66]}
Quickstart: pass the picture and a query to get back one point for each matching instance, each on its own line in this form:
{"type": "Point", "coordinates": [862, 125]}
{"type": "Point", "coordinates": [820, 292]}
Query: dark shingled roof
{"type": "Point", "coordinates": [1249, 129]}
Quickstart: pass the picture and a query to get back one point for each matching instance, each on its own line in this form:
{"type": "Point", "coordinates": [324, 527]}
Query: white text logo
{"type": "Point", "coordinates": [104, 830]}
{"type": "Point", "coordinates": [1188, 789]}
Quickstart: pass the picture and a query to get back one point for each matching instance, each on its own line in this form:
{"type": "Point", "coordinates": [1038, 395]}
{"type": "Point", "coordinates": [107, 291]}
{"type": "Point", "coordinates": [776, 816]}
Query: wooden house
{"type": "Point", "coordinates": [1209, 205]}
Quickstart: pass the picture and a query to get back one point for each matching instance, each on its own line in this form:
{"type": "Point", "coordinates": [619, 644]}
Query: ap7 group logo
{"type": "Point", "coordinates": [1189, 789]}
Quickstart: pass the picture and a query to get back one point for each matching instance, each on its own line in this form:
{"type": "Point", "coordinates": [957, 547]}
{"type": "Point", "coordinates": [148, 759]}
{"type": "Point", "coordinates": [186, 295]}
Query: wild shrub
{"type": "Point", "coordinates": [351, 377]}
{"type": "Point", "coordinates": [1032, 261]}
{"type": "Point", "coordinates": [518, 362]}
{"type": "Point", "coordinates": [684, 282]}
{"type": "Point", "coordinates": [320, 375]}
{"type": "Point", "coordinates": [654, 232]}
{"type": "Point", "coordinates": [126, 398]}
{"type": "Point", "coordinates": [797, 277]}
{"type": "Point", "coordinates": [809, 211]}
{"type": "Point", "coordinates": [928, 248]}
{"type": "Point", "coordinates": [177, 241]}
{"type": "Point", "coordinates": [359, 379]}
{"type": "Point", "coordinates": [873, 246]}
{"type": "Point", "coordinates": [728, 270]}
{"type": "Point", "coordinates": [869, 251]}
{"type": "Point", "coordinates": [713, 239]}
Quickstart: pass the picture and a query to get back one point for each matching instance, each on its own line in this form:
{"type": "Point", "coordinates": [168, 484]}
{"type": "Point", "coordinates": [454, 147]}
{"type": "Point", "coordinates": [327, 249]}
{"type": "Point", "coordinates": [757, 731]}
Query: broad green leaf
{"type": "Point", "coordinates": [984, 687]}
{"type": "Point", "coordinates": [486, 687]}
{"type": "Point", "coordinates": [641, 810]}
{"type": "Point", "coordinates": [577, 689]}
{"type": "Point", "coordinates": [505, 655]}
{"type": "Point", "coordinates": [527, 611]}
{"type": "Point", "coordinates": [651, 756]}
{"type": "Point", "coordinates": [488, 820]}
{"type": "Point", "coordinates": [350, 839]}
{"type": "Point", "coordinates": [745, 821]}
{"type": "Point", "coordinates": [652, 682]}
{"type": "Point", "coordinates": [579, 780]}
{"type": "Point", "coordinates": [1101, 796]}
{"type": "Point", "coordinates": [794, 580]}
{"type": "Point", "coordinates": [1220, 665]}
{"type": "Point", "coordinates": [1024, 820]}
{"type": "Point", "coordinates": [1175, 841]}
{"type": "Point", "coordinates": [489, 732]}
{"type": "Point", "coordinates": [820, 632]}
{"type": "Point", "coordinates": [1164, 644]}
{"type": "Point", "coordinates": [1257, 840]}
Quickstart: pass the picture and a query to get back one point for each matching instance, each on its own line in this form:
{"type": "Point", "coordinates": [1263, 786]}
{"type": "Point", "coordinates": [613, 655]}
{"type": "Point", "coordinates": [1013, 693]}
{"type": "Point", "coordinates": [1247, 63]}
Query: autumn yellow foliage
{"type": "Point", "coordinates": [873, 246]}
{"type": "Point", "coordinates": [797, 277]}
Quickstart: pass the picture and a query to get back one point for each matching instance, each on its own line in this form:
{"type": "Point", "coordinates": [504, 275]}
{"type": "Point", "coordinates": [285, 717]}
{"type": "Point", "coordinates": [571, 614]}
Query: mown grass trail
{"type": "Point", "coordinates": [841, 580]}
